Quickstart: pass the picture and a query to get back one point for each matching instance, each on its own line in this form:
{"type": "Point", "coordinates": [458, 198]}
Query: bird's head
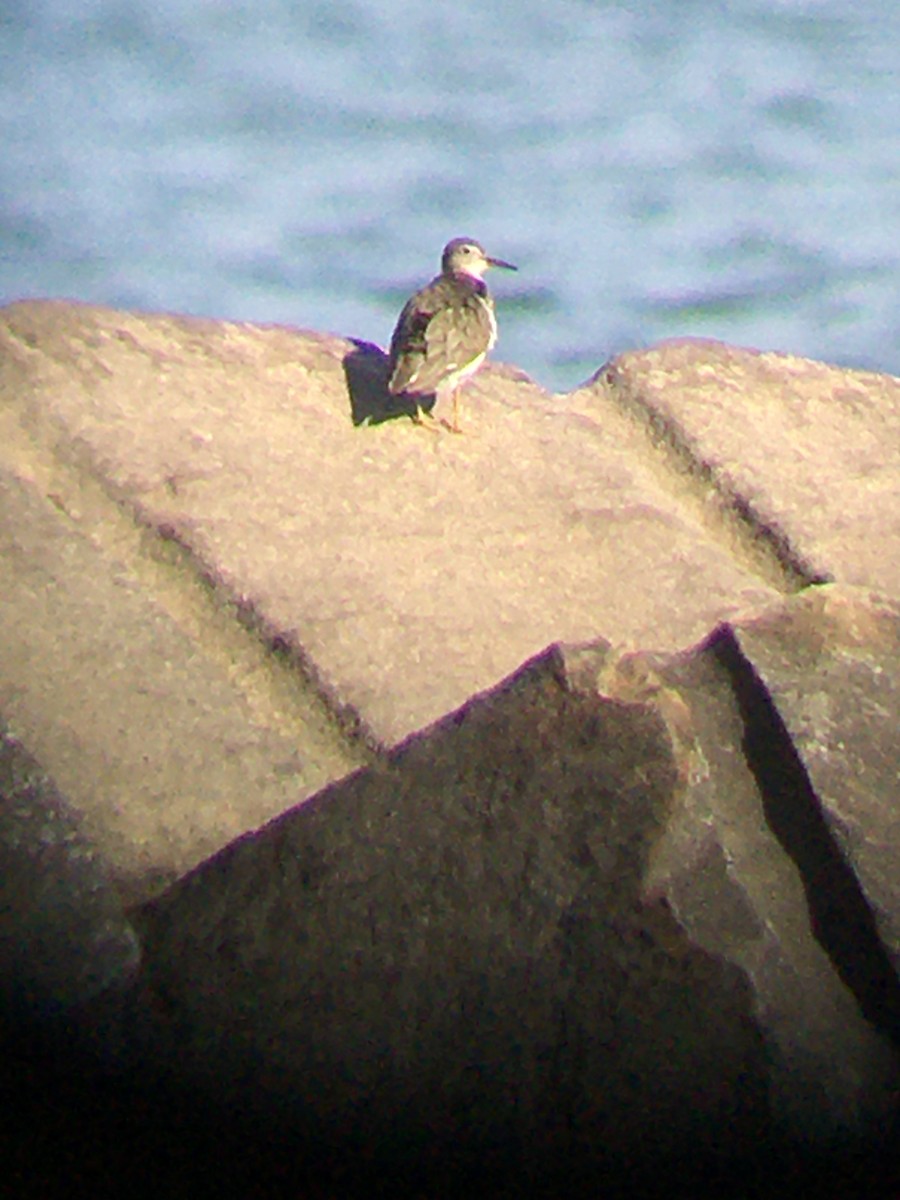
{"type": "Point", "coordinates": [465, 256]}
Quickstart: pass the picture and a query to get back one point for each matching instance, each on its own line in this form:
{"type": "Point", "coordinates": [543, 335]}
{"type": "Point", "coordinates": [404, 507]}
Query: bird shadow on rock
{"type": "Point", "coordinates": [366, 369]}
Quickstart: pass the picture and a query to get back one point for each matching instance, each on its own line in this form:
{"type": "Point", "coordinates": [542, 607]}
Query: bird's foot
{"type": "Point", "coordinates": [424, 418]}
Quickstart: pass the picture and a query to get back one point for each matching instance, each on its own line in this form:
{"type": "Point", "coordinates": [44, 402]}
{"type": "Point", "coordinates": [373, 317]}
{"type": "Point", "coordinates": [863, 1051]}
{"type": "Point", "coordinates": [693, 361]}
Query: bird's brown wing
{"type": "Point", "coordinates": [428, 347]}
{"type": "Point", "coordinates": [409, 346]}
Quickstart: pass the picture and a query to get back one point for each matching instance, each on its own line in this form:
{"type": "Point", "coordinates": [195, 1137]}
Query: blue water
{"type": "Point", "coordinates": [729, 169]}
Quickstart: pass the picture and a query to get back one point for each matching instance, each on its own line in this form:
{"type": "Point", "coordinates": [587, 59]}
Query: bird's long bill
{"type": "Point", "coordinates": [498, 262]}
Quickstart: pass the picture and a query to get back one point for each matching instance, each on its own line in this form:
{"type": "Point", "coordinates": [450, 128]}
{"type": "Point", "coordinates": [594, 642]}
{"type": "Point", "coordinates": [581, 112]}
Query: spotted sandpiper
{"type": "Point", "coordinates": [446, 329]}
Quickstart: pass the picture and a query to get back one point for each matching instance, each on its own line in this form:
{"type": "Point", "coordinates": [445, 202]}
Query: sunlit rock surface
{"type": "Point", "coordinates": [518, 801]}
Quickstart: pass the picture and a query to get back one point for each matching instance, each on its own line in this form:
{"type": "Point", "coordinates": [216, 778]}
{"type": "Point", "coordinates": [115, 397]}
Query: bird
{"type": "Point", "coordinates": [446, 329]}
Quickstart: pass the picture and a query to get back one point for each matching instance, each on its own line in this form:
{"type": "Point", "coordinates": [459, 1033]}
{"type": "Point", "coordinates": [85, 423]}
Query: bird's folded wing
{"type": "Point", "coordinates": [454, 338]}
{"type": "Point", "coordinates": [408, 348]}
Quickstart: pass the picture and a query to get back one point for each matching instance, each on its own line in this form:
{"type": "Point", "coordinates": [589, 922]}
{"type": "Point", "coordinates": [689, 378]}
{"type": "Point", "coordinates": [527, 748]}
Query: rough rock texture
{"type": "Point", "coordinates": [282, 850]}
{"type": "Point", "coordinates": [456, 938]}
{"type": "Point", "coordinates": [70, 939]}
{"type": "Point", "coordinates": [807, 451]}
{"type": "Point", "coordinates": [832, 670]}
{"type": "Point", "coordinates": [508, 921]}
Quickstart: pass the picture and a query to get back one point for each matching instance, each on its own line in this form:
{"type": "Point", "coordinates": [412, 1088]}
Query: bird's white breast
{"type": "Point", "coordinates": [492, 320]}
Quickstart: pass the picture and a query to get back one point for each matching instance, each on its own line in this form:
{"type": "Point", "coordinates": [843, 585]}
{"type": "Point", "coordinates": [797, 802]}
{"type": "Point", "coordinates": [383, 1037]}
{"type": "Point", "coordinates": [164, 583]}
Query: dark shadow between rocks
{"type": "Point", "coordinates": [366, 372]}
{"type": "Point", "coordinates": [841, 919]}
{"type": "Point", "coordinates": [76, 1127]}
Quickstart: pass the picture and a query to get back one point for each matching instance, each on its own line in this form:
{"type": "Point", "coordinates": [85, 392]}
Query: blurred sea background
{"type": "Point", "coordinates": [722, 168]}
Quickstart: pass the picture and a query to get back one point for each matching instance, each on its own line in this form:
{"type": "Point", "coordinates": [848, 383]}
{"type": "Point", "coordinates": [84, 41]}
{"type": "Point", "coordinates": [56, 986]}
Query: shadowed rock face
{"type": "Point", "coordinates": [282, 851]}
{"type": "Point", "coordinates": [597, 908]}
{"type": "Point", "coordinates": [456, 940]}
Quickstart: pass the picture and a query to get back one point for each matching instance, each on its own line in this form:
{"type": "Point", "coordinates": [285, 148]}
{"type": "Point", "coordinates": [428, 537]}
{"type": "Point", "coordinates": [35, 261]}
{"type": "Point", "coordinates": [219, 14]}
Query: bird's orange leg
{"type": "Point", "coordinates": [424, 418]}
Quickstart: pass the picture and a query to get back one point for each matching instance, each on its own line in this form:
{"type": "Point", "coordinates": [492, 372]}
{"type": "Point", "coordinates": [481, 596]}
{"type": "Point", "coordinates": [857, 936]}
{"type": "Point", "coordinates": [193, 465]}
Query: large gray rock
{"type": "Point", "coordinates": [596, 913]}
{"type": "Point", "coordinates": [155, 719]}
{"type": "Point", "coordinates": [183, 497]}
{"type": "Point", "coordinates": [405, 570]}
{"type": "Point", "coordinates": [64, 936]}
{"type": "Point", "coordinates": [451, 950]}
{"type": "Point", "coordinates": [635, 898]}
{"type": "Point", "coordinates": [804, 454]}
{"type": "Point", "coordinates": [753, 870]}
{"type": "Point", "coordinates": [831, 666]}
